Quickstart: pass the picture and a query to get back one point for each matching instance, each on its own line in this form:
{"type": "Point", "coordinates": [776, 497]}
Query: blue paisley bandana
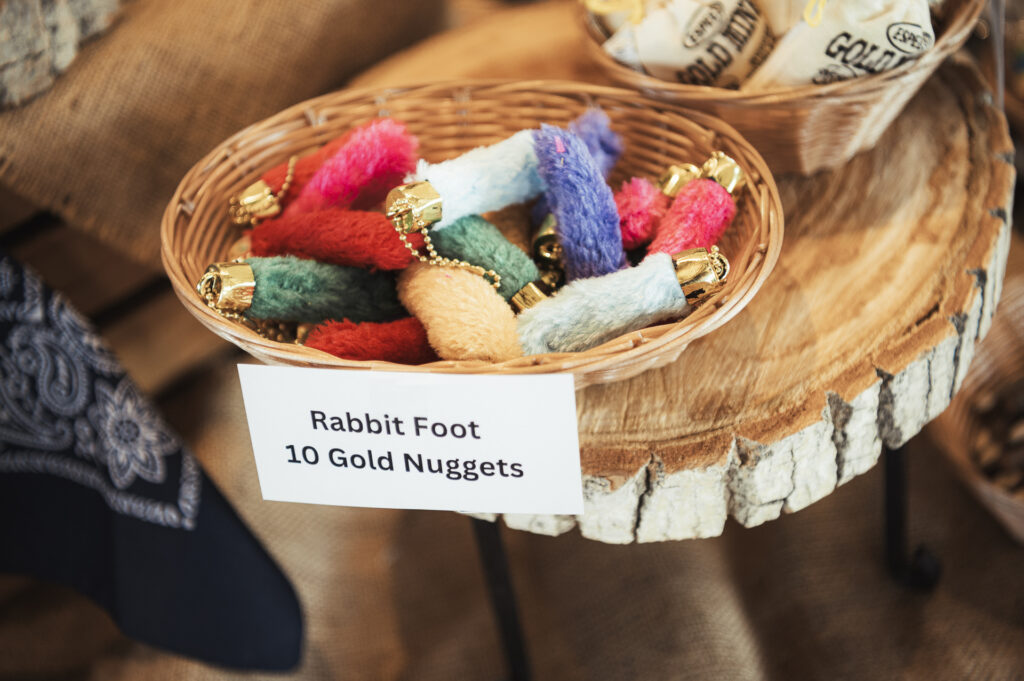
{"type": "Point", "coordinates": [98, 493]}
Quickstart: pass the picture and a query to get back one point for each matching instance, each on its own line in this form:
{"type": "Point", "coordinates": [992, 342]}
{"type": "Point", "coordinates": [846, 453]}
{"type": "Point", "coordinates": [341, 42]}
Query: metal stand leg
{"type": "Point", "coordinates": [503, 598]}
{"type": "Point", "coordinates": [922, 569]}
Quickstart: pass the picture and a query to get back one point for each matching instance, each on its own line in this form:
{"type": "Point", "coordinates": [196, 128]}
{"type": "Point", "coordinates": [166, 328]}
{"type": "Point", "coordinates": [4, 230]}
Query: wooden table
{"type": "Point", "coordinates": [889, 275]}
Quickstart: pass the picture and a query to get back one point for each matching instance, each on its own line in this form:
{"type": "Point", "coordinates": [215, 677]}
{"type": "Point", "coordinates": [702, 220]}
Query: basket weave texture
{"type": "Point", "coordinates": [450, 119]}
{"type": "Point", "coordinates": [813, 127]}
{"type": "Point", "coordinates": [998, 365]}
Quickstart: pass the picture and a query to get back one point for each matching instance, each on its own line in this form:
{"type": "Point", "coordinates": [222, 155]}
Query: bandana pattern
{"type": "Point", "coordinates": [67, 409]}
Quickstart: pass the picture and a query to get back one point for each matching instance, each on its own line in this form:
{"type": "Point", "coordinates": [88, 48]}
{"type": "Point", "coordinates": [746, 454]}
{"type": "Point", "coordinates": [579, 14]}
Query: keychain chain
{"type": "Point", "coordinates": [436, 259]}
{"type": "Point", "coordinates": [264, 328]}
{"type": "Point", "coordinates": [258, 201]}
{"type": "Point", "coordinates": [289, 176]}
{"type": "Point", "coordinates": [275, 331]}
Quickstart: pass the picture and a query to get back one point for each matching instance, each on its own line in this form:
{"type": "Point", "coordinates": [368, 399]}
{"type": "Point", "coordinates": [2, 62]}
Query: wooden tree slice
{"type": "Point", "coordinates": [889, 275]}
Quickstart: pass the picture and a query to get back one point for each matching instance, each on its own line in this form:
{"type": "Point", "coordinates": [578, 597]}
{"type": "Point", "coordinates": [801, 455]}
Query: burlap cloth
{"type": "Point", "coordinates": [399, 595]}
{"type": "Point", "coordinates": [107, 145]}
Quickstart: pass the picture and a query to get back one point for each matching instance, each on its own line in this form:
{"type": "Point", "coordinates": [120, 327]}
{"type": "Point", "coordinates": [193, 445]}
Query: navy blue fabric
{"type": "Point", "coordinates": [96, 492]}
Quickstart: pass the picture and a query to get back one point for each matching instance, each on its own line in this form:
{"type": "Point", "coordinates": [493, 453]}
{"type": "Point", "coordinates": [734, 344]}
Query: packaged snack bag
{"type": "Point", "coordinates": [843, 39]}
{"type": "Point", "coordinates": [697, 42]}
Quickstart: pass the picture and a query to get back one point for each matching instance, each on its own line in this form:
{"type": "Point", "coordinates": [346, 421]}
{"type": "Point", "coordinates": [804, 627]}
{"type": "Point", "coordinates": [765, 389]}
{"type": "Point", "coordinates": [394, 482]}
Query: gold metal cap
{"type": "Point", "coordinates": [412, 207]}
{"type": "Point", "coordinates": [700, 272]}
{"type": "Point", "coordinates": [553, 278]}
{"type": "Point", "coordinates": [256, 202]}
{"type": "Point", "coordinates": [302, 332]}
{"type": "Point", "coordinates": [546, 247]}
{"type": "Point", "coordinates": [725, 171]}
{"type": "Point", "coordinates": [228, 286]}
{"type": "Point", "coordinates": [676, 177]}
{"type": "Point", "coordinates": [530, 295]}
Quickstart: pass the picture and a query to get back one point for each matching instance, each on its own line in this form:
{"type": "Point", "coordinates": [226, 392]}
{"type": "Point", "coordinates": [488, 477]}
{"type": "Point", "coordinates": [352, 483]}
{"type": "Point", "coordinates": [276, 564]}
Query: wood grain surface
{"type": "Point", "coordinates": [890, 273]}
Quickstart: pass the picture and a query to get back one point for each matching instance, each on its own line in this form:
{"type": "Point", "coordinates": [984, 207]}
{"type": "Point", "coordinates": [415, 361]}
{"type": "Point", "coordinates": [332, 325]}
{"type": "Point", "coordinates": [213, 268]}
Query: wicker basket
{"type": "Point", "coordinates": [998, 364]}
{"type": "Point", "coordinates": [450, 119]}
{"type": "Point", "coordinates": [813, 127]}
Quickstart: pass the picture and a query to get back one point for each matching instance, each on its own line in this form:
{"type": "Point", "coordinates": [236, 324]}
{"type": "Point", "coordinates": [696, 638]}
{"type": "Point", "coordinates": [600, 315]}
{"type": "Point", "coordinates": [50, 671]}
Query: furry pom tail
{"type": "Point", "coordinates": [583, 205]}
{"type": "Point", "coordinates": [403, 341]}
{"type": "Point", "coordinates": [589, 312]}
{"type": "Point", "coordinates": [594, 128]}
{"type": "Point", "coordinates": [289, 289]}
{"type": "Point", "coordinates": [374, 158]}
{"type": "Point", "coordinates": [478, 242]}
{"type": "Point", "coordinates": [641, 207]}
{"type": "Point", "coordinates": [464, 316]}
{"type": "Point", "coordinates": [697, 218]}
{"type": "Point", "coordinates": [342, 237]}
{"type": "Point", "coordinates": [305, 169]}
{"type": "Point", "coordinates": [484, 179]}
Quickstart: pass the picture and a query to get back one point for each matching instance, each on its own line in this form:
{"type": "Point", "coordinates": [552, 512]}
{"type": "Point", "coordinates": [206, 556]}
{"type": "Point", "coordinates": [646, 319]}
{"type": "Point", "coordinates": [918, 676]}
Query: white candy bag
{"type": "Point", "coordinates": [698, 42]}
{"type": "Point", "coordinates": [850, 38]}
{"type": "Point", "coordinates": [783, 14]}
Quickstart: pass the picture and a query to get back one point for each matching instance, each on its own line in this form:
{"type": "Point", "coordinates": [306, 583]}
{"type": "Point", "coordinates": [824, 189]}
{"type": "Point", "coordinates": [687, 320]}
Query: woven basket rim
{"type": "Point", "coordinates": [958, 427]}
{"type": "Point", "coordinates": [996, 367]}
{"type": "Point", "coordinates": [953, 34]}
{"type": "Point", "coordinates": [595, 365]}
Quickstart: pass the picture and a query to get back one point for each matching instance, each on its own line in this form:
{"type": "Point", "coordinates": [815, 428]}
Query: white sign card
{"type": "Point", "coordinates": [475, 443]}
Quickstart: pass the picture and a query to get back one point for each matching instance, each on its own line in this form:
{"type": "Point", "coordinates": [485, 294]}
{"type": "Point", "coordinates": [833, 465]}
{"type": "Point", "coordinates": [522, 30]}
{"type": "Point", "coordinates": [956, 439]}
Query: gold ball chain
{"type": "Point", "coordinates": [255, 220]}
{"type": "Point", "coordinates": [272, 330]}
{"type": "Point", "coordinates": [436, 259]}
{"type": "Point", "coordinates": [289, 176]}
{"type": "Point", "coordinates": [269, 329]}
